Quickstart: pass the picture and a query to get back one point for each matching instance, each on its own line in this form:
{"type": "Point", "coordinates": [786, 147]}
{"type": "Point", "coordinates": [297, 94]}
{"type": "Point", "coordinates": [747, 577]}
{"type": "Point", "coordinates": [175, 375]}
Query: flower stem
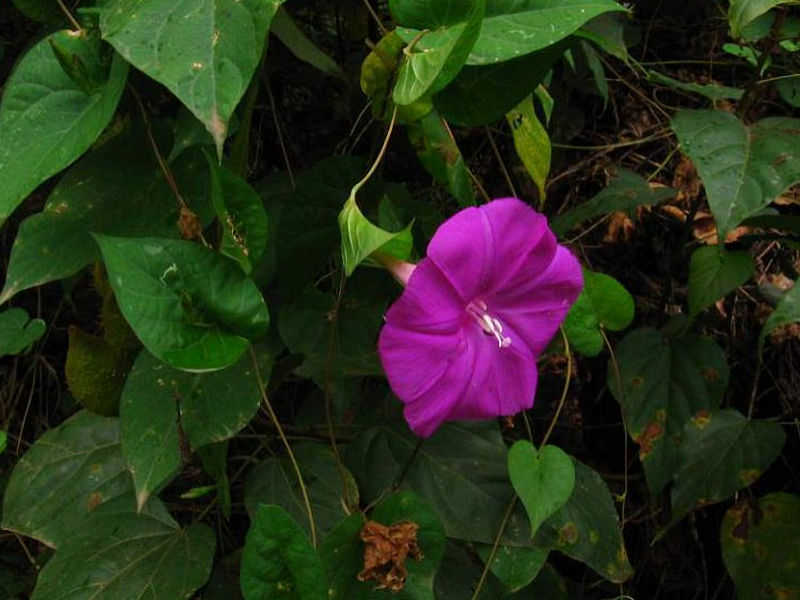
{"type": "Point", "coordinates": [563, 392]}
{"type": "Point", "coordinates": [493, 553]}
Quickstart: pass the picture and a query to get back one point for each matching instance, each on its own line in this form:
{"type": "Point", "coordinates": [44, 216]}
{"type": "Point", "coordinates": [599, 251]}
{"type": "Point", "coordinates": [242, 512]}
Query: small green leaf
{"type": "Point", "coordinates": [18, 331]}
{"type": "Point", "coordinates": [627, 191]}
{"type": "Point", "coordinates": [789, 90]}
{"type": "Point", "coordinates": [664, 382]}
{"type": "Point", "coordinates": [740, 450]}
{"type": "Point", "coordinates": [278, 561]}
{"type": "Point", "coordinates": [46, 119]}
{"type": "Point", "coordinates": [711, 91]}
{"type": "Point", "coordinates": [287, 31]}
{"type": "Point", "coordinates": [787, 311]}
{"type": "Point", "coordinates": [516, 567]}
{"type": "Point", "coordinates": [715, 272]}
{"type": "Point", "coordinates": [241, 215]}
{"type": "Point", "coordinates": [742, 12]}
{"type": "Point", "coordinates": [3, 441]}
{"type": "Point", "coordinates": [511, 29]}
{"type": "Point", "coordinates": [531, 142]}
{"type": "Point", "coordinates": [603, 304]}
{"type": "Point", "coordinates": [215, 463]}
{"type": "Point", "coordinates": [759, 546]}
{"type": "Point", "coordinates": [543, 479]}
{"type": "Point", "coordinates": [117, 554]}
{"type": "Point", "coordinates": [608, 32]}
{"type": "Point", "coordinates": [68, 473]}
{"type": "Point", "coordinates": [190, 307]}
{"type": "Point", "coordinates": [743, 168]}
{"type": "Point", "coordinates": [439, 154]}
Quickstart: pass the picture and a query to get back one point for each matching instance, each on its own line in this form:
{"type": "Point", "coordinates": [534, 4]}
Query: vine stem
{"type": "Point", "coordinates": [618, 379]}
{"type": "Point", "coordinates": [495, 546]}
{"type": "Point", "coordinates": [72, 20]}
{"type": "Point", "coordinates": [563, 391]}
{"type": "Point", "coordinates": [379, 158]}
{"type": "Point", "coordinates": [303, 490]}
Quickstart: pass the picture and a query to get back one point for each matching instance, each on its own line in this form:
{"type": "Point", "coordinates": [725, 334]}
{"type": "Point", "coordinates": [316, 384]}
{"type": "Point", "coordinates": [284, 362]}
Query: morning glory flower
{"type": "Point", "coordinates": [462, 340]}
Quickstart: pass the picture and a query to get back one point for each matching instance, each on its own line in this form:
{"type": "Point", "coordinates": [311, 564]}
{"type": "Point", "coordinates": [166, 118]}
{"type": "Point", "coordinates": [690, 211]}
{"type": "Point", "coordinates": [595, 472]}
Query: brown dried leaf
{"type": "Point", "coordinates": [620, 228]}
{"type": "Point", "coordinates": [686, 181]}
{"type": "Point", "coordinates": [385, 553]}
{"type": "Point", "coordinates": [705, 230]}
{"type": "Point", "coordinates": [188, 224]}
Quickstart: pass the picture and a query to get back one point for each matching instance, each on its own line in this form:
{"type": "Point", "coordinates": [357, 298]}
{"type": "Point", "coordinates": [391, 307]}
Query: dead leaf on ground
{"type": "Point", "coordinates": [385, 553]}
{"type": "Point", "coordinates": [620, 228]}
{"type": "Point", "coordinates": [189, 225]}
{"type": "Point", "coordinates": [686, 181]}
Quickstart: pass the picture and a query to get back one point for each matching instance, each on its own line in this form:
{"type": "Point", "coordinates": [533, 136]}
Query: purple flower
{"type": "Point", "coordinates": [462, 340]}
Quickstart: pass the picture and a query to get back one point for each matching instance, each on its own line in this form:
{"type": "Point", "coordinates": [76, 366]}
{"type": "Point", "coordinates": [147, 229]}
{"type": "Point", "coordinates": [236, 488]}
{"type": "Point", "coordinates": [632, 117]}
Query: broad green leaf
{"type": "Point", "coordinates": [118, 554]}
{"type": "Point", "coordinates": [343, 551]}
{"type": "Point", "coordinates": [739, 449]}
{"type": "Point", "coordinates": [711, 91]}
{"type": "Point", "coordinates": [278, 560]}
{"type": "Point", "coordinates": [443, 34]}
{"type": "Point", "coordinates": [742, 12]}
{"type": "Point", "coordinates": [516, 567]}
{"type": "Point", "coordinates": [715, 272]}
{"type": "Point", "coordinates": [789, 90]}
{"type": "Point", "coordinates": [587, 527]}
{"type": "Point", "coordinates": [596, 68]}
{"type": "Point", "coordinates": [188, 132]}
{"type": "Point", "coordinates": [459, 573]}
{"type": "Point", "coordinates": [43, 11]}
{"type": "Point", "coordinates": [287, 31]}
{"type": "Point", "coordinates": [96, 195]}
{"type": "Point", "coordinates": [439, 154]}
{"type": "Point", "coordinates": [241, 216]}
{"type": "Point", "coordinates": [548, 584]}
{"type": "Point", "coordinates": [759, 546]}
{"type": "Point", "coordinates": [743, 168]}
{"type": "Point", "coordinates": [274, 481]}
{"type": "Point", "coordinates": [627, 191]}
{"type": "Point", "coordinates": [787, 311]}
{"type": "Point", "coordinates": [512, 28]}
{"type": "Point", "coordinates": [68, 473]}
{"type": "Point", "coordinates": [664, 382]}
{"type": "Point", "coordinates": [46, 119]}
{"type": "Point", "coordinates": [603, 304]}
{"type": "Point", "coordinates": [18, 331]}
{"type": "Point", "coordinates": [190, 307]}
{"type": "Point", "coordinates": [483, 94]}
{"type": "Point", "coordinates": [157, 397]}
{"type": "Point", "coordinates": [531, 142]}
{"type": "Point", "coordinates": [203, 51]}
{"type": "Point", "coordinates": [360, 238]}
{"type": "Point", "coordinates": [608, 32]}
{"type": "Point", "coordinates": [543, 479]}
{"type": "Point", "coordinates": [215, 462]}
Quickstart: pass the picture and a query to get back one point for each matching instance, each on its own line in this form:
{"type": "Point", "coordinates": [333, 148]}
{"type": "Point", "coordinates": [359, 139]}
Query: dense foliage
{"type": "Point", "coordinates": [202, 207]}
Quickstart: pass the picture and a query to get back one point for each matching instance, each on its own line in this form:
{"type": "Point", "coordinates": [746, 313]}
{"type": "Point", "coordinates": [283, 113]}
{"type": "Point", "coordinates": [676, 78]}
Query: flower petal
{"type": "Point", "coordinates": [536, 307]}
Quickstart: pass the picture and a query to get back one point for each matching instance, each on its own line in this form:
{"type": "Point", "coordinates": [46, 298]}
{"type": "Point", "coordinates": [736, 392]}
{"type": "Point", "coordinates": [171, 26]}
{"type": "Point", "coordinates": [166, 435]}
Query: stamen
{"type": "Point", "coordinates": [478, 309]}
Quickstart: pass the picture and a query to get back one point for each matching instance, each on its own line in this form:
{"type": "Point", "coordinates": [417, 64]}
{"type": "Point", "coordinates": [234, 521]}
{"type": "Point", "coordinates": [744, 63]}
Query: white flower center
{"type": "Point", "coordinates": [479, 310]}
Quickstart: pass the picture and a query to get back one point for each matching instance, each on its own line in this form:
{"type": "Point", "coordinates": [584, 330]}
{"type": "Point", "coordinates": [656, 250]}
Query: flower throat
{"type": "Point", "coordinates": [478, 309]}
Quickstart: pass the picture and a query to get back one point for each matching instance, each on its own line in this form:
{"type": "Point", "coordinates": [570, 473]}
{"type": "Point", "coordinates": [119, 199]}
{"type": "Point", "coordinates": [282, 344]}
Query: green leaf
{"type": "Point", "coordinates": [241, 215]}
{"type": "Point", "coordinates": [548, 584]}
{"type": "Point", "coordinates": [190, 307]}
{"type": "Point", "coordinates": [587, 527]}
{"type": "Point", "coordinates": [439, 154]}
{"type": "Point", "coordinates": [511, 29]}
{"type": "Point", "coordinates": [287, 31]}
{"type": "Point", "coordinates": [278, 561]}
{"type": "Point", "coordinates": [18, 331]}
{"type": "Point", "coordinates": [343, 551]}
{"type": "Point", "coordinates": [46, 119]}
{"type": "Point", "coordinates": [543, 479]}
{"type": "Point", "coordinates": [625, 192]}
{"type": "Point", "coordinates": [711, 91]}
{"type": "Point", "coordinates": [96, 196]}
{"type": "Point", "coordinates": [742, 12]}
{"type": "Point", "coordinates": [515, 567]}
{"type": "Point", "coordinates": [3, 441]}
{"type": "Point", "coordinates": [443, 34]}
{"type": "Point", "coordinates": [743, 168]}
{"type": "Point", "coordinates": [360, 238]}
{"type": "Point", "coordinates": [759, 546]}
{"type": "Point", "coordinates": [203, 52]}
{"type": "Point", "coordinates": [459, 574]}
{"type": "Point", "coordinates": [118, 554]}
{"type": "Point", "coordinates": [274, 481]}
{"type": "Point", "coordinates": [787, 311]}
{"type": "Point", "coordinates": [789, 90]}
{"type": "Point", "coordinates": [721, 453]}
{"type": "Point", "coordinates": [531, 142]}
{"type": "Point", "coordinates": [43, 11]}
{"type": "Point", "coordinates": [603, 304]}
{"type": "Point", "coordinates": [714, 273]}
{"type": "Point", "coordinates": [664, 382]}
{"type": "Point", "coordinates": [215, 463]}
{"type": "Point", "coordinates": [483, 94]}
{"type": "Point", "coordinates": [188, 132]}
{"type": "Point", "coordinates": [608, 32]}
{"type": "Point", "coordinates": [68, 473]}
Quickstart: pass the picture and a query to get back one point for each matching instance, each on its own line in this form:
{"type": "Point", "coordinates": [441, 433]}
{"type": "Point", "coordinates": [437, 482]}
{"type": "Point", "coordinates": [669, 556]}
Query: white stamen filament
{"type": "Point", "coordinates": [490, 325]}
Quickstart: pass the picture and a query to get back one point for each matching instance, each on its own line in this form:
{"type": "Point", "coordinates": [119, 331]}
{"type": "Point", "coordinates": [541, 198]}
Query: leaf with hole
{"type": "Point", "coordinates": [18, 331]}
{"type": "Point", "coordinates": [721, 453]}
{"type": "Point", "coordinates": [531, 143]}
{"type": "Point", "coordinates": [743, 168]}
{"type": "Point", "coordinates": [189, 306]}
{"type": "Point", "coordinates": [714, 273]}
{"type": "Point", "coordinates": [46, 119]}
{"type": "Point", "coordinates": [278, 561]}
{"type": "Point", "coordinates": [664, 381]}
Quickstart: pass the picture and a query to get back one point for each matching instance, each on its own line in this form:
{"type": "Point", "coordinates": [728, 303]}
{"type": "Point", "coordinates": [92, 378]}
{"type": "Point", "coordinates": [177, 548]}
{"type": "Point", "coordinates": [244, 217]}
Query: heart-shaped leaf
{"type": "Point", "coordinates": [18, 331]}
{"type": "Point", "coordinates": [543, 479]}
{"type": "Point", "coordinates": [47, 119]}
{"type": "Point", "coordinates": [278, 561]}
{"type": "Point", "coordinates": [743, 168]}
{"type": "Point", "coordinates": [715, 272]}
{"type": "Point", "coordinates": [516, 567]}
{"type": "Point", "coordinates": [190, 307]}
